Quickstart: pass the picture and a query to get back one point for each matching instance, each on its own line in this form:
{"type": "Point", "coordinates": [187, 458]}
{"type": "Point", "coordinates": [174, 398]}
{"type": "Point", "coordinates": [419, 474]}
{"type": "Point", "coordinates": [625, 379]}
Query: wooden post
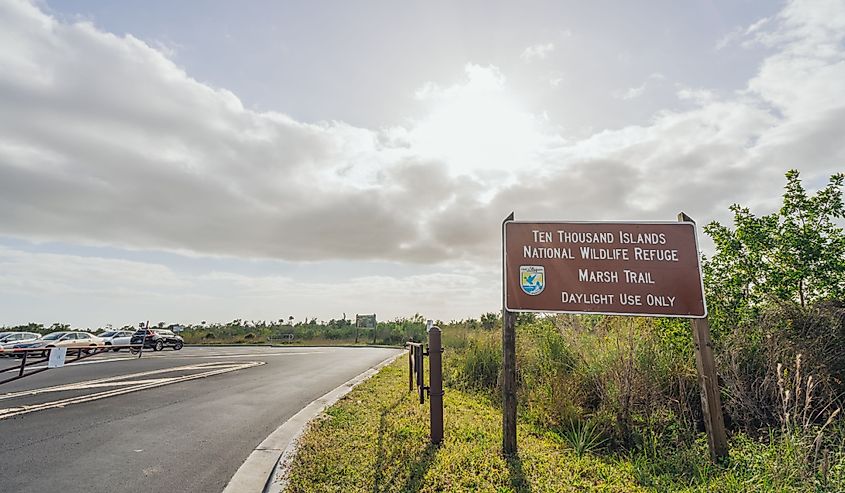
{"type": "Point", "coordinates": [435, 383]}
{"type": "Point", "coordinates": [410, 368]}
{"type": "Point", "coordinates": [419, 364]}
{"type": "Point", "coordinates": [711, 402]}
{"type": "Point", "coordinates": [508, 364]}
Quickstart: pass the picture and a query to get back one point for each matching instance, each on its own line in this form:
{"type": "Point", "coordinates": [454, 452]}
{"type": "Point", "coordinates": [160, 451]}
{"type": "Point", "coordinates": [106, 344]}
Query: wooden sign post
{"type": "Point", "coordinates": [649, 269]}
{"type": "Point", "coordinates": [508, 366]}
{"type": "Point", "coordinates": [366, 322]}
{"type": "Point", "coordinates": [711, 402]}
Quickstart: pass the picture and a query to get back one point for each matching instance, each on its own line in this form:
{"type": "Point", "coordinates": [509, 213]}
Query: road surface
{"type": "Point", "coordinates": [169, 421]}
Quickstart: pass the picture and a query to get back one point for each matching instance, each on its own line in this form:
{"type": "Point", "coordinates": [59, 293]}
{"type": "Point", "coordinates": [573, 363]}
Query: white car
{"type": "Point", "coordinates": [9, 339]}
{"type": "Point", "coordinates": [69, 339]}
{"type": "Point", "coordinates": [117, 338]}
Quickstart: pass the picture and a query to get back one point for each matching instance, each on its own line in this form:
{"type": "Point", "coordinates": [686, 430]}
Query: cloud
{"type": "Point", "coordinates": [87, 291]}
{"type": "Point", "coordinates": [699, 95]}
{"type": "Point", "coordinates": [635, 92]}
{"type": "Point", "coordinates": [728, 39]}
{"type": "Point", "coordinates": [104, 140]}
{"type": "Point", "coordinates": [25, 273]}
{"type": "Point", "coordinates": [538, 51]}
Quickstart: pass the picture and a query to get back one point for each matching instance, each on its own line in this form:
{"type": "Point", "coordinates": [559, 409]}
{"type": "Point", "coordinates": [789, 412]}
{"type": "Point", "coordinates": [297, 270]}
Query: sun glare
{"type": "Point", "coordinates": [476, 126]}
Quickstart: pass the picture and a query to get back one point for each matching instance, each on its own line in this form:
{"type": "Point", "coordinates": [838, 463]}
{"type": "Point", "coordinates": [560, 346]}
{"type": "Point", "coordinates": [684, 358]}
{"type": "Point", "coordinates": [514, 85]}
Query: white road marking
{"type": "Point", "coordinates": [244, 355]}
{"type": "Point", "coordinates": [92, 386]}
{"type": "Point", "coordinates": [83, 385]}
{"type": "Point", "coordinates": [129, 357]}
{"type": "Point", "coordinates": [214, 369]}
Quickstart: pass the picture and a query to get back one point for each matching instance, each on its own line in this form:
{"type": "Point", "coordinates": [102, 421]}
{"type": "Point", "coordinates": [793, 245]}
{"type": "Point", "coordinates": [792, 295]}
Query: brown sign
{"type": "Point", "coordinates": [366, 321]}
{"type": "Point", "coordinates": [629, 268]}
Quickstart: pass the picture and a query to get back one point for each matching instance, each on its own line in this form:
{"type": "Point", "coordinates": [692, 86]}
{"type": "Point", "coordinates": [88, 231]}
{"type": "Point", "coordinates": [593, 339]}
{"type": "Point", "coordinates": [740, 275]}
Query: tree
{"type": "Point", "coordinates": [489, 320]}
{"type": "Point", "coordinates": [796, 254]}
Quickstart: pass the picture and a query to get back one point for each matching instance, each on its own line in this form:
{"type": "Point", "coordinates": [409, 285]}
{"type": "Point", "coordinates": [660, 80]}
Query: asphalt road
{"type": "Point", "coordinates": [170, 421]}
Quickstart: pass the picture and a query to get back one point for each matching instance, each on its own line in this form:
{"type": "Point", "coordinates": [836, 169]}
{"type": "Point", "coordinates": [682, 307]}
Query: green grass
{"type": "Point", "coordinates": [376, 440]}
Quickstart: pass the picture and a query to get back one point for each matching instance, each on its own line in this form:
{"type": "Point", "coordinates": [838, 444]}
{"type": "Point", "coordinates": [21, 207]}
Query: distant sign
{"type": "Point", "coordinates": [283, 338]}
{"type": "Point", "coordinates": [627, 268]}
{"type": "Point", "coordinates": [365, 321]}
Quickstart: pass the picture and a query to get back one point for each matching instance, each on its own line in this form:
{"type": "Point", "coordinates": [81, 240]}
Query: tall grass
{"type": "Point", "coordinates": [477, 364]}
{"type": "Point", "coordinates": [630, 386]}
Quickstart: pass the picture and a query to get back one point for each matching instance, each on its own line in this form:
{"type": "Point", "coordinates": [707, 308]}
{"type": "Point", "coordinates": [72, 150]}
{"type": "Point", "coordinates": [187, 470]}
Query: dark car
{"type": "Point", "coordinates": [156, 339]}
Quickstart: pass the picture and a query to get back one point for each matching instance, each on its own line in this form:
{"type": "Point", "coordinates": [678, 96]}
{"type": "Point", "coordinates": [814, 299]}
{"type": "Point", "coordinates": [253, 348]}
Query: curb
{"type": "Point", "coordinates": [266, 467]}
{"type": "Point", "coordinates": [384, 346]}
{"type": "Point", "coordinates": [228, 345]}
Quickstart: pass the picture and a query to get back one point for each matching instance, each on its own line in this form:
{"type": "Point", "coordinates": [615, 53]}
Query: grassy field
{"type": "Point", "coordinates": [376, 440]}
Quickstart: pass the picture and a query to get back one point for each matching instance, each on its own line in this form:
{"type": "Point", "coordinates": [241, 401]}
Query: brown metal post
{"type": "Point", "coordinates": [509, 447]}
{"type": "Point", "coordinates": [420, 366]}
{"type": "Point", "coordinates": [435, 378]}
{"type": "Point", "coordinates": [144, 339]}
{"type": "Point", "coordinates": [410, 368]}
{"type": "Point", "coordinates": [711, 402]}
{"type": "Point", "coordinates": [23, 362]}
{"type": "Point", "coordinates": [417, 363]}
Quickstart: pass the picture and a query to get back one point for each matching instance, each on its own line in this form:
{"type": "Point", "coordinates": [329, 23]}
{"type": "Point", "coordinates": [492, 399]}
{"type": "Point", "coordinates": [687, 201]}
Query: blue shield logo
{"type": "Point", "coordinates": [532, 279]}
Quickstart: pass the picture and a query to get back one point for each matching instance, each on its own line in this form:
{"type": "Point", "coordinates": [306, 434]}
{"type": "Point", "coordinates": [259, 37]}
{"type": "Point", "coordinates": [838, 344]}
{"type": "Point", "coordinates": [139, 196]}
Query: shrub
{"type": "Point", "coordinates": [748, 360]}
{"type": "Point", "coordinates": [583, 437]}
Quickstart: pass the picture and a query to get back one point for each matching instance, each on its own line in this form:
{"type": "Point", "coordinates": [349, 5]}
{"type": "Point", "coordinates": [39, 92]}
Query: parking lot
{"type": "Point", "coordinates": [169, 421]}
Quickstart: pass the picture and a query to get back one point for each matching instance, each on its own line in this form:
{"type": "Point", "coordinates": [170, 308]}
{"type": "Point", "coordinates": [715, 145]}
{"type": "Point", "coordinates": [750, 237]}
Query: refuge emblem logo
{"type": "Point", "coordinates": [532, 279]}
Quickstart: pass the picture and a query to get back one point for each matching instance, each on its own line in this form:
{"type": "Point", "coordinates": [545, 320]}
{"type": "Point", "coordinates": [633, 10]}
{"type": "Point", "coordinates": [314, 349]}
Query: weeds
{"type": "Point", "coordinates": [627, 389]}
{"type": "Point", "coordinates": [583, 437]}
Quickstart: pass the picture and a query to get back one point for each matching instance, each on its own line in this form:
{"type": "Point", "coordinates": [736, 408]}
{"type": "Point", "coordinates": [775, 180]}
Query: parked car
{"type": "Point", "coordinates": [157, 339]}
{"type": "Point", "coordinates": [9, 339]}
{"type": "Point", "coordinates": [70, 339]}
{"type": "Point", "coordinates": [116, 338]}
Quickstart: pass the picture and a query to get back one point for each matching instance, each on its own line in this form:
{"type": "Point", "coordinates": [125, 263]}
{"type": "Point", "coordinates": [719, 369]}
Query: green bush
{"type": "Point", "coordinates": [748, 358]}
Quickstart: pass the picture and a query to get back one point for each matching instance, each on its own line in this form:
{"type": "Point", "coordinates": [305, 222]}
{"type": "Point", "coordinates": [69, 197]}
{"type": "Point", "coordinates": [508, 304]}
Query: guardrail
{"type": "Point", "coordinates": [34, 356]}
{"type": "Point", "coordinates": [416, 377]}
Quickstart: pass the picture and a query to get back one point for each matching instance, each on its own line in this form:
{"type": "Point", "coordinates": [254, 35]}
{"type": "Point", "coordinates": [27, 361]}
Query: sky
{"type": "Point", "coordinates": [207, 161]}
